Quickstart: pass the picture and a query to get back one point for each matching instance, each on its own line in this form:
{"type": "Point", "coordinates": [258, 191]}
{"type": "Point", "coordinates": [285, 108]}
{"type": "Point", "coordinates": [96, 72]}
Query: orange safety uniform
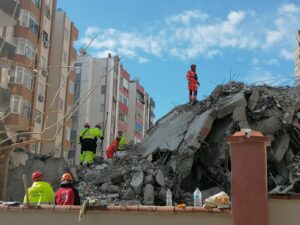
{"type": "Point", "coordinates": [193, 82]}
{"type": "Point", "coordinates": [112, 149]}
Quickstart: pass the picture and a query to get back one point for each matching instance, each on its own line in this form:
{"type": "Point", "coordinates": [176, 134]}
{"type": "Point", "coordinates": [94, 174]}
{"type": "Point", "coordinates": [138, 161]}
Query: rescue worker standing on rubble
{"type": "Point", "coordinates": [40, 192]}
{"type": "Point", "coordinates": [67, 194]}
{"type": "Point", "coordinates": [193, 83]}
{"type": "Point", "coordinates": [87, 142]}
{"type": "Point", "coordinates": [98, 134]}
{"type": "Point", "coordinates": [122, 142]}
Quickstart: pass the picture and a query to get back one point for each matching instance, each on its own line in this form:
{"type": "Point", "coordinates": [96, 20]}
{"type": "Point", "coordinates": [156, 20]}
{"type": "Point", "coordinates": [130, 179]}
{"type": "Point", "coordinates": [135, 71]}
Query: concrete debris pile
{"type": "Point", "coordinates": [188, 147]}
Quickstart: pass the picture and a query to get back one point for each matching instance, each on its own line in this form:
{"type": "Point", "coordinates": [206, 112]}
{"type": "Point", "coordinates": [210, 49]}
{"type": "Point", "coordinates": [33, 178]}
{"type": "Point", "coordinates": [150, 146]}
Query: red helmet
{"type": "Point", "coordinates": [37, 175]}
{"type": "Point", "coordinates": [66, 176]}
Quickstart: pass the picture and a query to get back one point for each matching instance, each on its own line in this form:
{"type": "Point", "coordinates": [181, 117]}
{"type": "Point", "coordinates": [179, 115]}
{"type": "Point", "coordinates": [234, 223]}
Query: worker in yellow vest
{"type": "Point", "coordinates": [88, 146]}
{"type": "Point", "coordinates": [122, 142]}
{"type": "Point", "coordinates": [40, 192]}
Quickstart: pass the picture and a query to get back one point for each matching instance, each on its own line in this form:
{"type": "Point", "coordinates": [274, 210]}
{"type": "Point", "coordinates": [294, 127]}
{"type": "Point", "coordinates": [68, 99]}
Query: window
{"type": "Point", "coordinates": [102, 108]}
{"type": "Point", "coordinates": [41, 89]}
{"type": "Point", "coordinates": [21, 75]}
{"type": "Point", "coordinates": [76, 87]}
{"type": "Point", "coordinates": [103, 89]}
{"type": "Point", "coordinates": [123, 99]}
{"type": "Point", "coordinates": [37, 3]}
{"type": "Point", "coordinates": [43, 62]}
{"type": "Point", "coordinates": [35, 147]}
{"type": "Point", "coordinates": [27, 19]}
{"type": "Point", "coordinates": [71, 87]}
{"type": "Point", "coordinates": [66, 34]}
{"type": "Point", "coordinates": [47, 12]}
{"type": "Point", "coordinates": [20, 105]}
{"type": "Point", "coordinates": [60, 104]}
{"type": "Point", "coordinates": [123, 118]}
{"type": "Point", "coordinates": [68, 134]}
{"type": "Point", "coordinates": [24, 47]}
{"type": "Point", "coordinates": [45, 39]}
{"type": "Point", "coordinates": [125, 83]}
{"type": "Point", "coordinates": [38, 116]}
{"type": "Point", "coordinates": [78, 68]}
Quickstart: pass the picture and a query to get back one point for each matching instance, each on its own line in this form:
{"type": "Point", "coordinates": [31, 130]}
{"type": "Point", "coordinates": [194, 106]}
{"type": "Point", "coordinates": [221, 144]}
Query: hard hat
{"type": "Point", "coordinates": [66, 176]}
{"type": "Point", "coordinates": [98, 125]}
{"type": "Point", "coordinates": [87, 125]}
{"type": "Point", "coordinates": [193, 65]}
{"type": "Point", "coordinates": [37, 175]}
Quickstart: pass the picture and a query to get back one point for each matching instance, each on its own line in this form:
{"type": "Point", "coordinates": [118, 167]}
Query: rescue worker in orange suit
{"type": "Point", "coordinates": [67, 194]}
{"type": "Point", "coordinates": [192, 78]}
{"type": "Point", "coordinates": [112, 149]}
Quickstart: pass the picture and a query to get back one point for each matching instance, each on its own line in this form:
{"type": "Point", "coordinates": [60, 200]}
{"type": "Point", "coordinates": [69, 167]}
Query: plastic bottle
{"type": "Point", "coordinates": [169, 198]}
{"type": "Point", "coordinates": [197, 198]}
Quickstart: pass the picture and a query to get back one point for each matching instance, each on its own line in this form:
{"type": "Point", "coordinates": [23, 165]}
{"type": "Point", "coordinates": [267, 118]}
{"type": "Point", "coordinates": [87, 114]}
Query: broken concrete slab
{"type": "Point", "coordinates": [288, 114]}
{"type": "Point", "coordinates": [149, 179]}
{"type": "Point", "coordinates": [252, 102]}
{"type": "Point", "coordinates": [168, 133]}
{"type": "Point", "coordinates": [137, 182]}
{"type": "Point", "coordinates": [160, 178]}
{"type": "Point", "coordinates": [199, 129]}
{"type": "Point", "coordinates": [239, 114]}
{"type": "Point", "coordinates": [148, 195]}
{"type": "Point", "coordinates": [228, 106]}
{"type": "Point", "coordinates": [280, 146]}
{"type": "Point", "coordinates": [129, 194]}
{"type": "Point", "coordinates": [269, 125]}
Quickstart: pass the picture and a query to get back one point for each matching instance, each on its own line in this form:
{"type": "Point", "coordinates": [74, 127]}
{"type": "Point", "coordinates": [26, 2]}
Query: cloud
{"type": "Point", "coordinates": [286, 54]}
{"type": "Point", "coordinates": [193, 33]}
{"type": "Point", "coordinates": [186, 17]}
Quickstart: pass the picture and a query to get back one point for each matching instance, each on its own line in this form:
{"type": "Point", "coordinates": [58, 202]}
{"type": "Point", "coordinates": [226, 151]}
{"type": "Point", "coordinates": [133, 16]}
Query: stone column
{"type": "Point", "coordinates": [249, 191]}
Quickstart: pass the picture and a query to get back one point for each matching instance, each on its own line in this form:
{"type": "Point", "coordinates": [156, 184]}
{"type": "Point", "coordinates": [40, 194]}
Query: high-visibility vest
{"type": "Point", "coordinates": [40, 193]}
{"type": "Point", "coordinates": [122, 144]}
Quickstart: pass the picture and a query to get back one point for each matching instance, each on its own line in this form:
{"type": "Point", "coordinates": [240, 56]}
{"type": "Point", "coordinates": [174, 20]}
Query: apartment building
{"type": "Point", "coordinates": [102, 92]}
{"type": "Point", "coordinates": [30, 36]}
{"type": "Point", "coordinates": [141, 112]}
{"type": "Point", "coordinates": [60, 87]}
{"type": "Point", "coordinates": [9, 13]}
{"type": "Point", "coordinates": [297, 58]}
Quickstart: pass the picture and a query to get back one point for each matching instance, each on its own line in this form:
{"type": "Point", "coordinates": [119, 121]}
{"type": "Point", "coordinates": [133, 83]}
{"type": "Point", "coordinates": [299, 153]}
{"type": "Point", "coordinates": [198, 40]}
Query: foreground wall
{"type": "Point", "coordinates": [114, 216]}
{"type": "Point", "coordinates": [284, 209]}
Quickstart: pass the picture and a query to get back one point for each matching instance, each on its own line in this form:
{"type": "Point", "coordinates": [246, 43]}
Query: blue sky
{"type": "Point", "coordinates": [157, 40]}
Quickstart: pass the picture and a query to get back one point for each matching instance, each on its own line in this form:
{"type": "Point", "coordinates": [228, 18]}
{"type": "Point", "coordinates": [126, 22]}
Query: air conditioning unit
{"type": "Point", "coordinates": [41, 98]}
{"type": "Point", "coordinates": [45, 72]}
{"type": "Point", "coordinates": [46, 44]}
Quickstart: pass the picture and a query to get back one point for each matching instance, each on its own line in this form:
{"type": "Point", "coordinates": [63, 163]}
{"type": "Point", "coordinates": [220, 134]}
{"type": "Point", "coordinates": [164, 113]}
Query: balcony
{"type": "Point", "coordinates": [8, 50]}
{"type": "Point", "coordinates": [8, 7]}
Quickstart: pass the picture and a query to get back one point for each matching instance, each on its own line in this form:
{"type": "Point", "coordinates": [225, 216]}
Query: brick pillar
{"type": "Point", "coordinates": [249, 191]}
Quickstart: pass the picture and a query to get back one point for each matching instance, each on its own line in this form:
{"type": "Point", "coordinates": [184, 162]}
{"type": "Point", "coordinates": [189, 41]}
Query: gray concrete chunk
{"type": "Point", "coordinates": [160, 178]}
{"type": "Point", "coordinates": [269, 125]}
{"type": "Point", "coordinates": [252, 102]}
{"type": "Point", "coordinates": [148, 195]}
{"type": "Point", "coordinates": [228, 106]}
{"type": "Point", "coordinates": [137, 182]}
{"type": "Point", "coordinates": [280, 146]}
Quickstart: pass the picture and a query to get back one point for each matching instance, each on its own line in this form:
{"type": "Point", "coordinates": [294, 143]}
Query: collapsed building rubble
{"type": "Point", "coordinates": [188, 148]}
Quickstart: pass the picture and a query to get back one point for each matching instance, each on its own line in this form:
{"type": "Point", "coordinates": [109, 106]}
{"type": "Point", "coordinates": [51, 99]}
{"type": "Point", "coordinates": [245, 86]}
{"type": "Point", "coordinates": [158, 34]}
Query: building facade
{"type": "Point", "coordinates": [60, 89]}
{"type": "Point", "coordinates": [141, 112]}
{"type": "Point", "coordinates": [36, 44]}
{"type": "Point", "coordinates": [102, 93]}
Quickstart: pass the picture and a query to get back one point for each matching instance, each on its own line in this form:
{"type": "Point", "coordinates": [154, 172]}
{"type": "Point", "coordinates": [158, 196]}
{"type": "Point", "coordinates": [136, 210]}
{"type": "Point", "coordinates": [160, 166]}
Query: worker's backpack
{"type": "Point", "coordinates": [65, 196]}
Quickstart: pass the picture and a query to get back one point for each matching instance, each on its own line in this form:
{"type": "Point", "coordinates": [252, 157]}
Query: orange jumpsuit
{"type": "Point", "coordinates": [193, 84]}
{"type": "Point", "coordinates": [112, 149]}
